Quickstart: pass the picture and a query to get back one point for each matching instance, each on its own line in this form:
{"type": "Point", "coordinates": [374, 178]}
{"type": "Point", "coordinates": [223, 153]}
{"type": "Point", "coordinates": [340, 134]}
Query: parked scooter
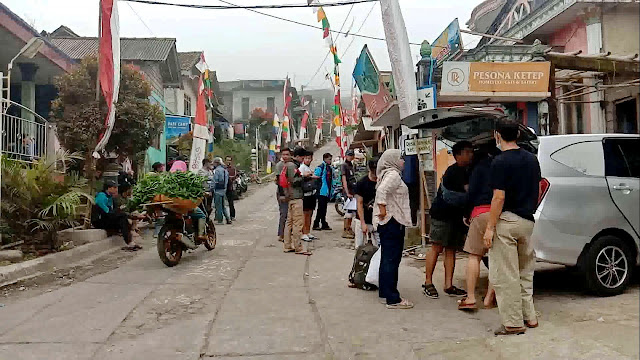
{"type": "Point", "coordinates": [338, 198]}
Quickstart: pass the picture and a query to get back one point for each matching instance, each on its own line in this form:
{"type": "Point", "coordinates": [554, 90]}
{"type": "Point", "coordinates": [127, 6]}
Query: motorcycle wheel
{"type": "Point", "coordinates": [169, 248]}
{"type": "Point", "coordinates": [340, 206]}
{"type": "Point", "coordinates": [212, 238]}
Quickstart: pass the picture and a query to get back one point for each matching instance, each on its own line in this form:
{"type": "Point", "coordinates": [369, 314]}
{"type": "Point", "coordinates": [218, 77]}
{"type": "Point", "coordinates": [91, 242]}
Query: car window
{"type": "Point", "coordinates": [622, 157]}
{"type": "Point", "coordinates": [584, 157]}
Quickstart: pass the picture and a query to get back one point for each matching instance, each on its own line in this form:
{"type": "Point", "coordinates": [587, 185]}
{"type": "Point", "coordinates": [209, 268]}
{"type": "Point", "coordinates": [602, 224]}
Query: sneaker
{"type": "Point", "coordinates": [233, 219]}
{"type": "Point", "coordinates": [404, 304]}
{"type": "Point", "coordinates": [228, 222]}
{"type": "Point", "coordinates": [305, 237]}
{"type": "Point", "coordinates": [317, 228]}
{"type": "Point", "coordinates": [347, 234]}
{"type": "Point", "coordinates": [312, 237]}
{"type": "Point", "coordinates": [455, 292]}
{"type": "Point", "coordinates": [325, 227]}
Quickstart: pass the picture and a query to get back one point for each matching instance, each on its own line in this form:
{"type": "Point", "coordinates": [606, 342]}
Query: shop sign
{"type": "Point", "coordinates": [417, 146]}
{"type": "Point", "coordinates": [177, 126]}
{"type": "Point", "coordinates": [495, 77]}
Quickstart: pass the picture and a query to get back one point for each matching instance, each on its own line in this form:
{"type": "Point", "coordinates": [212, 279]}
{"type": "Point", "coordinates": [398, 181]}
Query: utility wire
{"type": "Point", "coordinates": [140, 18]}
{"type": "Point", "coordinates": [360, 28]}
{"type": "Point", "coordinates": [281, 6]}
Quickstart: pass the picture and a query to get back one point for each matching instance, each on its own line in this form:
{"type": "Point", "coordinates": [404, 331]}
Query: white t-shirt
{"type": "Point", "coordinates": [305, 170]}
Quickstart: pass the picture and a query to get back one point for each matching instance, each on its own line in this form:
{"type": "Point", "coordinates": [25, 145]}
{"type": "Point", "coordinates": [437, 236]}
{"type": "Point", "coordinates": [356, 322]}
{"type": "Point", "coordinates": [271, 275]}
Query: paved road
{"type": "Point", "coordinates": [248, 300]}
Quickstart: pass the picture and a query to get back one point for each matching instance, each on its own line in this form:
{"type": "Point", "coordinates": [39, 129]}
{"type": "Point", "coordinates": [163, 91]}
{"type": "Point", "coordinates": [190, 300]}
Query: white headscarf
{"type": "Point", "coordinates": [391, 160]}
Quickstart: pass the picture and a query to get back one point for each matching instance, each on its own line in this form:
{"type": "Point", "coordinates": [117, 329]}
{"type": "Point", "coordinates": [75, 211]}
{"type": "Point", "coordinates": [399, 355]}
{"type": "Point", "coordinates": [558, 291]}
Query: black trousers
{"type": "Point", "coordinates": [391, 243]}
{"type": "Point", "coordinates": [115, 221]}
{"type": "Point", "coordinates": [231, 197]}
{"type": "Point", "coordinates": [321, 213]}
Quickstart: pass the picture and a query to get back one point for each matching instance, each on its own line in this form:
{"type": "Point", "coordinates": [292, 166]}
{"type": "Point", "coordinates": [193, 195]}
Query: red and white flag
{"type": "Point", "coordinates": [109, 64]}
{"type": "Point", "coordinates": [200, 131]}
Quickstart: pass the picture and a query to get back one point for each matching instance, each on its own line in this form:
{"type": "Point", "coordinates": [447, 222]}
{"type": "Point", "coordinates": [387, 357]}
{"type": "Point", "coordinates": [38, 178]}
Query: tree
{"type": "Point", "coordinates": [80, 118]}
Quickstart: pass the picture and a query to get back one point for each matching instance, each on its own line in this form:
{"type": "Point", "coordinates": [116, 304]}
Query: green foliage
{"type": "Point", "coordinates": [238, 149]}
{"type": "Point", "coordinates": [184, 185]}
{"type": "Point", "coordinates": [38, 200]}
{"type": "Point", "coordinates": [80, 118]}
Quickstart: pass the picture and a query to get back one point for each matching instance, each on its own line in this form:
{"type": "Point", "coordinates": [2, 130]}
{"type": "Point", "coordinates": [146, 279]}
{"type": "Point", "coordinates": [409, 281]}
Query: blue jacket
{"type": "Point", "coordinates": [104, 202]}
{"type": "Point", "coordinates": [220, 175]}
{"type": "Point", "coordinates": [321, 171]}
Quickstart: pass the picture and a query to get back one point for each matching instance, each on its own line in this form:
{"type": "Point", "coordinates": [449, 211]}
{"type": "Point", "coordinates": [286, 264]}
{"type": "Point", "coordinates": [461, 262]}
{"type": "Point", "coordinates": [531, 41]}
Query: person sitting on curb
{"type": "Point", "coordinates": [104, 215]}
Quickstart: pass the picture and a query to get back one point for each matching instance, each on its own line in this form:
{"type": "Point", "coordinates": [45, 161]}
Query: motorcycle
{"type": "Point", "coordinates": [339, 198]}
{"type": "Point", "coordinates": [241, 182]}
{"type": "Point", "coordinates": [179, 225]}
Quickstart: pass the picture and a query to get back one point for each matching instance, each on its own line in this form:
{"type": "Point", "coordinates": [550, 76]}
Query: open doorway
{"type": "Point", "coordinates": [627, 117]}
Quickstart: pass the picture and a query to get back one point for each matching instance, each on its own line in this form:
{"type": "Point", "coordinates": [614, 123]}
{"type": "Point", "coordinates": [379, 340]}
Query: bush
{"type": "Point", "coordinates": [239, 150]}
{"type": "Point", "coordinates": [38, 201]}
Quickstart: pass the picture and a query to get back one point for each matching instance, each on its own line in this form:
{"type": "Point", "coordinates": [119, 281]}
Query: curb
{"type": "Point", "coordinates": [13, 273]}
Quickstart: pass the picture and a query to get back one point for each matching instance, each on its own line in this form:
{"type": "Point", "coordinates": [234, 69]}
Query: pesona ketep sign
{"type": "Point", "coordinates": [487, 78]}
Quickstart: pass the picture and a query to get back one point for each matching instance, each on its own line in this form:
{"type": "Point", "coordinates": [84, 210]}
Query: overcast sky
{"type": "Point", "coordinates": [239, 44]}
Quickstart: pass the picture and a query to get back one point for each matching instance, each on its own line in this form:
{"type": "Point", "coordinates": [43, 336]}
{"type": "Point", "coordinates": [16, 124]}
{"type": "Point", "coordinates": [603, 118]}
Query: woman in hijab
{"type": "Point", "coordinates": [391, 215]}
{"type": "Point", "coordinates": [179, 165]}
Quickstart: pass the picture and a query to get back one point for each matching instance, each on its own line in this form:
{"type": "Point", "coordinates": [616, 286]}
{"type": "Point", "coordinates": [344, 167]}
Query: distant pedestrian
{"type": "Point", "coordinates": [158, 167]}
{"type": "Point", "coordinates": [281, 194]}
{"type": "Point", "coordinates": [324, 172]}
{"type": "Point", "coordinates": [309, 187]}
{"type": "Point", "coordinates": [292, 183]}
{"type": "Point", "coordinates": [231, 194]}
{"type": "Point", "coordinates": [479, 204]}
{"type": "Point", "coordinates": [220, 183]}
{"type": "Point", "coordinates": [179, 165]}
{"type": "Point", "coordinates": [448, 232]}
{"type": "Point", "coordinates": [391, 216]}
{"type": "Point", "coordinates": [348, 177]}
{"type": "Point", "coordinates": [515, 180]}
{"type": "Point", "coordinates": [365, 192]}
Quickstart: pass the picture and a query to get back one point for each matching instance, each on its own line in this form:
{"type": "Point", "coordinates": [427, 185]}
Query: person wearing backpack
{"type": "Point", "coordinates": [324, 173]}
{"type": "Point", "coordinates": [219, 188]}
{"type": "Point", "coordinates": [290, 180]}
{"type": "Point", "coordinates": [309, 188]}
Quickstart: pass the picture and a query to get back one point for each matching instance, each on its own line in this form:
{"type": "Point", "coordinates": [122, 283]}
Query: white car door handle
{"type": "Point", "coordinates": [622, 188]}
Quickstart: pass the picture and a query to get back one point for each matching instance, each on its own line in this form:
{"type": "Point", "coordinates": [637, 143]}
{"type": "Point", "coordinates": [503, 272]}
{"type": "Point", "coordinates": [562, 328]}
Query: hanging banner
{"type": "Point", "coordinates": [176, 127]}
{"type": "Point", "coordinates": [448, 44]}
{"type": "Point", "coordinates": [198, 150]}
{"type": "Point", "coordinates": [375, 94]}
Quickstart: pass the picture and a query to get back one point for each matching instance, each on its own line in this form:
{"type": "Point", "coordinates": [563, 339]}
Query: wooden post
{"type": "Point", "coordinates": [554, 125]}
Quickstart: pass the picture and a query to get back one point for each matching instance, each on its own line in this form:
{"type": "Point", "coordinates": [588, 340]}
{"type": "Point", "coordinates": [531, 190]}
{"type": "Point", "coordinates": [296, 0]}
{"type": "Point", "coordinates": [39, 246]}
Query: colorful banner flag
{"type": "Point", "coordinates": [375, 94]}
{"type": "Point", "coordinates": [303, 125]}
{"type": "Point", "coordinates": [200, 130]}
{"type": "Point", "coordinates": [109, 65]}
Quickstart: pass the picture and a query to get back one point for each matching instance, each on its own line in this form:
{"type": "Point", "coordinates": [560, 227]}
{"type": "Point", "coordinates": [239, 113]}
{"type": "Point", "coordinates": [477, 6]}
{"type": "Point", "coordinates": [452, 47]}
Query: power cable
{"type": "Point", "coordinates": [140, 18]}
{"type": "Point", "coordinates": [360, 28]}
{"type": "Point", "coordinates": [248, 7]}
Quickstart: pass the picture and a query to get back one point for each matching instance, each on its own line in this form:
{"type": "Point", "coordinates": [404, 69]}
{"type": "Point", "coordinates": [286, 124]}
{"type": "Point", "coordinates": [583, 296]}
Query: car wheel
{"type": "Point", "coordinates": [607, 266]}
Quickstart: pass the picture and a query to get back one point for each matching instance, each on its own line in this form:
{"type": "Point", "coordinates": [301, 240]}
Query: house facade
{"type": "Point", "coordinates": [593, 47]}
{"type": "Point", "coordinates": [241, 97]}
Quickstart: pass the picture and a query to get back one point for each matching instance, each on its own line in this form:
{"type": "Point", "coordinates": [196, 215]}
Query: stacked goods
{"type": "Point", "coordinates": [184, 189]}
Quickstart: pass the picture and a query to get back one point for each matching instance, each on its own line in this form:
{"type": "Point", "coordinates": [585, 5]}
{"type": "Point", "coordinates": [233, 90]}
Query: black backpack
{"type": "Point", "coordinates": [360, 266]}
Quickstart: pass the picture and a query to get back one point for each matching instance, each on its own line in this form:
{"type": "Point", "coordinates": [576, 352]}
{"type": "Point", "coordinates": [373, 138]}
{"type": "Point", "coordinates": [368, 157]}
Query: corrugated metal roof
{"type": "Point", "coordinates": [188, 59]}
{"type": "Point", "coordinates": [146, 49]}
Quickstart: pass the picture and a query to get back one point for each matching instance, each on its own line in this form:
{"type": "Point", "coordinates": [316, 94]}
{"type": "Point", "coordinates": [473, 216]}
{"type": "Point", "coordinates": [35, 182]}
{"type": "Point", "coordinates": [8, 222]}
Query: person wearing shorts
{"type": "Point", "coordinates": [480, 194]}
{"type": "Point", "coordinates": [448, 231]}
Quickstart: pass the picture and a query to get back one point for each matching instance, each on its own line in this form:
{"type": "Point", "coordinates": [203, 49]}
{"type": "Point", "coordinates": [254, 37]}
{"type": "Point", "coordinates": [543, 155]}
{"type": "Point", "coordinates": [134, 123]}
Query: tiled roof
{"type": "Point", "coordinates": [188, 59]}
{"type": "Point", "coordinates": [146, 49]}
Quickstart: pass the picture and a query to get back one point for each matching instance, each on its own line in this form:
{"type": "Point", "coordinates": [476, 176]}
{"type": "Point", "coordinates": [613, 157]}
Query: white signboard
{"type": "Point", "coordinates": [427, 98]}
{"type": "Point", "coordinates": [455, 76]}
{"type": "Point", "coordinates": [417, 146]}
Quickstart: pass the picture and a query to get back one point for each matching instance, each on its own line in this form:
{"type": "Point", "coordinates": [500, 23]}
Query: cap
{"type": "Point", "coordinates": [110, 183]}
{"type": "Point", "coordinates": [350, 153]}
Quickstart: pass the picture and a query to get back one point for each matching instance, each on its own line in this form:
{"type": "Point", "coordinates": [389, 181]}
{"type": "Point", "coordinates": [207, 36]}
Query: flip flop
{"type": "Point", "coordinates": [303, 253]}
{"type": "Point", "coordinates": [129, 248]}
{"type": "Point", "coordinates": [531, 326]}
{"type": "Point", "coordinates": [289, 250]}
{"type": "Point", "coordinates": [465, 306]}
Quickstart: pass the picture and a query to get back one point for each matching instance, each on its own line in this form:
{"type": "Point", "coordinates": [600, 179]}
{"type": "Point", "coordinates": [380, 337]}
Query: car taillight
{"type": "Point", "coordinates": [544, 188]}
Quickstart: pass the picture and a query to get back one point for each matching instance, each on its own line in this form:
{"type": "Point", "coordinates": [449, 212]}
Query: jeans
{"type": "Point", "coordinates": [284, 211]}
{"type": "Point", "coordinates": [391, 243]}
{"type": "Point", "coordinates": [321, 213]}
{"type": "Point", "coordinates": [231, 197]}
{"type": "Point", "coordinates": [220, 208]}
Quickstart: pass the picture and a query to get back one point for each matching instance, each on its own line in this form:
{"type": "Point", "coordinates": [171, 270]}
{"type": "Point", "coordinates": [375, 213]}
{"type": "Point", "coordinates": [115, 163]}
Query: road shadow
{"type": "Point", "coordinates": [554, 280]}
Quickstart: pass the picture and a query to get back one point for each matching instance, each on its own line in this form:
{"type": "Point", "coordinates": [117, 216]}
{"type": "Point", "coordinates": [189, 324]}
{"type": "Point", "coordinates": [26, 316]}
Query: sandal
{"type": "Point", "coordinates": [402, 305]}
{"type": "Point", "coordinates": [303, 253]}
{"type": "Point", "coordinates": [289, 250]}
{"type": "Point", "coordinates": [454, 291]}
{"type": "Point", "coordinates": [502, 330]}
{"type": "Point", "coordinates": [531, 325]}
{"type": "Point", "coordinates": [430, 291]}
{"type": "Point", "coordinates": [464, 305]}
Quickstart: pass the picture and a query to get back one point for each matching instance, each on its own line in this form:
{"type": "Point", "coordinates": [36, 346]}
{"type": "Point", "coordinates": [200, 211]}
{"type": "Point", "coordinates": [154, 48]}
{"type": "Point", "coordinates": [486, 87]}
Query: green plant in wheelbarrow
{"type": "Point", "coordinates": [183, 228]}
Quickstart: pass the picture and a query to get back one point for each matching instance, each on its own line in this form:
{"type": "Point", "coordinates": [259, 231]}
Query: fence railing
{"type": "Point", "coordinates": [24, 139]}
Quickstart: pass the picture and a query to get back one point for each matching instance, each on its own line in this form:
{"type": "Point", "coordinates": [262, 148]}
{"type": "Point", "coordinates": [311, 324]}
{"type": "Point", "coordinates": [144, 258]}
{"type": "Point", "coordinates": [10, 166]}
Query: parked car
{"type": "Point", "coordinates": [590, 215]}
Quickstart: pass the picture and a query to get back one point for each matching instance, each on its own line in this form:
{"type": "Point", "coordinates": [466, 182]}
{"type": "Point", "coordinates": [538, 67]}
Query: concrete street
{"type": "Point", "coordinates": [248, 300]}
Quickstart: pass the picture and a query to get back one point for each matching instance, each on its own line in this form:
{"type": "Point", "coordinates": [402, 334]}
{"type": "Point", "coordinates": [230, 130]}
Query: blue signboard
{"type": "Point", "coordinates": [177, 126]}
